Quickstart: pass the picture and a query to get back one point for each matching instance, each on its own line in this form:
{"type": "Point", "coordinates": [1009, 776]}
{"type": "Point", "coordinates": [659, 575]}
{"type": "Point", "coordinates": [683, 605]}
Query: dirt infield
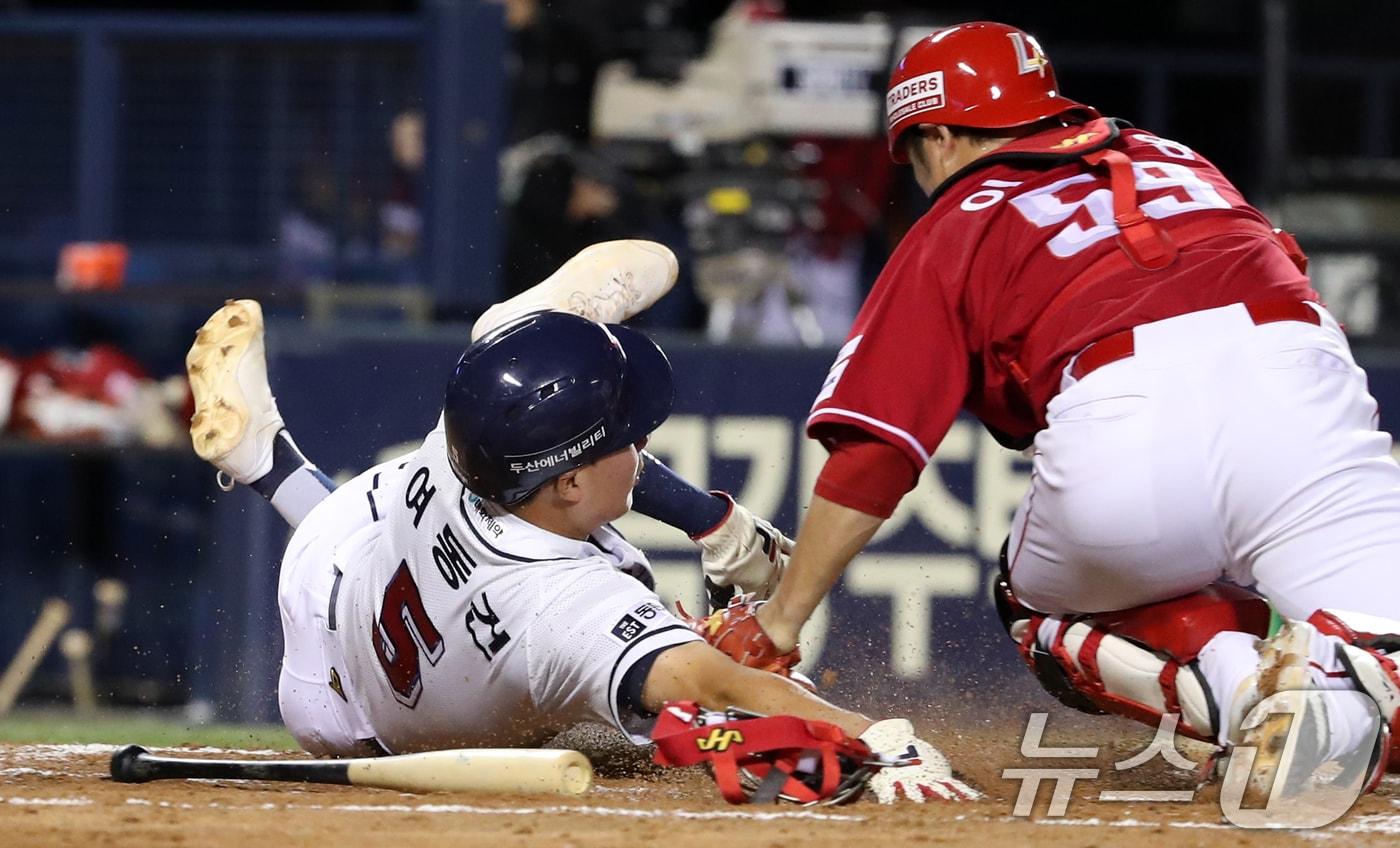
{"type": "Point", "coordinates": [60, 795]}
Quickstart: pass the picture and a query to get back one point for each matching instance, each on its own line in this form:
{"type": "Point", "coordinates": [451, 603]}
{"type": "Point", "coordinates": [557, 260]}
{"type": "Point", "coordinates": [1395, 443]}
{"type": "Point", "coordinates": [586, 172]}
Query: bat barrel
{"type": "Point", "coordinates": [561, 772]}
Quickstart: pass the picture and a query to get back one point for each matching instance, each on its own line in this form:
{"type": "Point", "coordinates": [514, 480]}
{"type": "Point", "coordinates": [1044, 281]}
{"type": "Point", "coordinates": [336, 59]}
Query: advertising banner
{"type": "Point", "coordinates": [912, 615]}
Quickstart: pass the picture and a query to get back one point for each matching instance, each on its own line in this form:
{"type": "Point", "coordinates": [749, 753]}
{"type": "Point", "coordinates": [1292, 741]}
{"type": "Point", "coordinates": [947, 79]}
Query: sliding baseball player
{"type": "Point", "coordinates": [473, 593]}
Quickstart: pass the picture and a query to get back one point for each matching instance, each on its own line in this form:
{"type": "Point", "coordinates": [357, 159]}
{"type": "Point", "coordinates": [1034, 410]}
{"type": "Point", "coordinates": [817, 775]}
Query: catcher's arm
{"type": "Point", "coordinates": [697, 672]}
{"type": "Point", "coordinates": [830, 537]}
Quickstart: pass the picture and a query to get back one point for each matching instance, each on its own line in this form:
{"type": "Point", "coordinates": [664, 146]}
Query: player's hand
{"type": "Point", "coordinates": [743, 551]}
{"type": "Point", "coordinates": [928, 776]}
{"type": "Point", "coordinates": [735, 631]}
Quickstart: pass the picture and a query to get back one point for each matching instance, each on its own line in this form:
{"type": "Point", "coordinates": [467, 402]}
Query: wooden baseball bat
{"type": "Point", "coordinates": [465, 770]}
{"type": "Point", "coordinates": [36, 645]}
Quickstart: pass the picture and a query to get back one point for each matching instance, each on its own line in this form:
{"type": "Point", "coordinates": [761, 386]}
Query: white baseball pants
{"type": "Point", "coordinates": [1221, 449]}
{"type": "Point", "coordinates": [322, 721]}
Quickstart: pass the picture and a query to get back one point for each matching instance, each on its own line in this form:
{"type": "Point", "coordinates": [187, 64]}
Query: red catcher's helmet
{"type": "Point", "coordinates": [982, 74]}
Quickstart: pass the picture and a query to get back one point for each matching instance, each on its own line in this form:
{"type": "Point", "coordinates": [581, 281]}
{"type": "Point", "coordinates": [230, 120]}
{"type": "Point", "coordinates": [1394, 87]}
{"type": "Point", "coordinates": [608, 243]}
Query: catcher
{"type": "Point", "coordinates": [1106, 299]}
{"type": "Point", "coordinates": [472, 592]}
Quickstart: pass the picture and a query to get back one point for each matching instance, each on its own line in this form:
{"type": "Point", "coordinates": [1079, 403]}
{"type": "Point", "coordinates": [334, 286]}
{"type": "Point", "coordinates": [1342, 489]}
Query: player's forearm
{"type": "Point", "coordinates": [663, 494]}
{"type": "Point", "coordinates": [768, 694]}
{"type": "Point", "coordinates": [830, 537]}
{"type": "Point", "coordinates": [697, 672]}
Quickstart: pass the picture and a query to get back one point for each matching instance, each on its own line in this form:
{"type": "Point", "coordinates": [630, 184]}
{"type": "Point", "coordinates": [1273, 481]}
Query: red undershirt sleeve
{"type": "Point", "coordinates": [866, 475]}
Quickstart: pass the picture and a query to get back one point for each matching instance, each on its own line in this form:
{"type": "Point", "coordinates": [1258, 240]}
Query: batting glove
{"type": "Point", "coordinates": [743, 551]}
{"type": "Point", "coordinates": [928, 775]}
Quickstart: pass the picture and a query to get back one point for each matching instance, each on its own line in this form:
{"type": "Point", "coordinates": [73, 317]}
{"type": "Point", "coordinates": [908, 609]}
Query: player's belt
{"type": "Point", "coordinates": [1119, 345]}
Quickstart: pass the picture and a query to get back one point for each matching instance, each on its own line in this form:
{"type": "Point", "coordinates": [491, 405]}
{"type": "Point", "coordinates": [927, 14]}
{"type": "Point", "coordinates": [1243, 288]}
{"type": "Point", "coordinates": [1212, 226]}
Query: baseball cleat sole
{"type": "Point", "coordinates": [228, 378]}
{"type": "Point", "coordinates": [607, 282]}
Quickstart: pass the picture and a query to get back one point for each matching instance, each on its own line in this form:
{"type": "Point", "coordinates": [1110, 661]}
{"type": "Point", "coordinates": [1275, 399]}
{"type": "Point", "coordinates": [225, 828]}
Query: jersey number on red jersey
{"type": "Point", "coordinates": [1171, 188]}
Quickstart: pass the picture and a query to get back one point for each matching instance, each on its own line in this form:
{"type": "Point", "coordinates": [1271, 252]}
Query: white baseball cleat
{"type": "Point", "coordinates": [235, 415]}
{"type": "Point", "coordinates": [607, 282]}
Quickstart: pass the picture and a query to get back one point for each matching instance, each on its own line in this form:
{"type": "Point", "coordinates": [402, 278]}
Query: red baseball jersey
{"type": "Point", "coordinates": [1017, 266]}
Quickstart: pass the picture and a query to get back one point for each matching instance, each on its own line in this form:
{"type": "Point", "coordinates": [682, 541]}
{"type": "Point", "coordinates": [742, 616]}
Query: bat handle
{"type": "Point", "coordinates": [128, 764]}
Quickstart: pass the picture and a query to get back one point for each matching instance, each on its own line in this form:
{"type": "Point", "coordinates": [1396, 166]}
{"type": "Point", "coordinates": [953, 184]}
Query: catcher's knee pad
{"type": "Point", "coordinates": [1053, 678]}
{"type": "Point", "coordinates": [1139, 663]}
{"type": "Point", "coordinates": [1369, 647]}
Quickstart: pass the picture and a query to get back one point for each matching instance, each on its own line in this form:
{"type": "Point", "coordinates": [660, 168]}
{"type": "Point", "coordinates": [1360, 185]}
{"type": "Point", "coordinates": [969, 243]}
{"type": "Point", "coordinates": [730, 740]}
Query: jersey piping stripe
{"type": "Point", "coordinates": [373, 509]}
{"type": "Point", "coordinates": [634, 680]}
{"type": "Point", "coordinates": [593, 540]}
{"type": "Point", "coordinates": [874, 422]}
{"type": "Point", "coordinates": [467, 517]}
{"type": "Point", "coordinates": [335, 596]}
{"type": "Point", "coordinates": [612, 676]}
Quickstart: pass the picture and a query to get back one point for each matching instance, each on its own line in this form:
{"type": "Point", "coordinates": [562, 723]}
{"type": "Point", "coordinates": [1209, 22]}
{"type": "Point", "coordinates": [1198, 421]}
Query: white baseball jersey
{"type": "Point", "coordinates": [445, 621]}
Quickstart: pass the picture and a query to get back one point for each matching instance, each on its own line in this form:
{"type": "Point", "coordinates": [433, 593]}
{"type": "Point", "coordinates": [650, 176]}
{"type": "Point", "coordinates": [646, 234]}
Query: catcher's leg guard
{"type": "Point", "coordinates": [1139, 663]}
{"type": "Point", "coordinates": [1145, 663]}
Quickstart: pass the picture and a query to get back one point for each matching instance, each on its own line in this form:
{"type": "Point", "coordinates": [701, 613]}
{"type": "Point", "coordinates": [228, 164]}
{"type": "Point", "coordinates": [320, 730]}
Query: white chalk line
{"type": "Point", "coordinates": [472, 809]}
{"type": "Point", "coordinates": [1382, 824]}
{"type": "Point", "coordinates": [1097, 822]}
{"type": "Point", "coordinates": [60, 751]}
{"type": "Point", "coordinates": [53, 752]}
{"type": "Point", "coordinates": [1375, 823]}
{"type": "Point", "coordinates": [34, 772]}
{"type": "Point", "coordinates": [1379, 824]}
{"type": "Point", "coordinates": [47, 802]}
{"type": "Point", "coordinates": [702, 815]}
{"type": "Point", "coordinates": [1385, 824]}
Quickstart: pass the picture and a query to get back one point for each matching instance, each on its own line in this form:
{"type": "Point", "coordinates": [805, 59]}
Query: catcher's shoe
{"type": "Point", "coordinates": [235, 416]}
{"type": "Point", "coordinates": [608, 282]}
{"type": "Point", "coordinates": [1299, 736]}
{"type": "Point", "coordinates": [1281, 737]}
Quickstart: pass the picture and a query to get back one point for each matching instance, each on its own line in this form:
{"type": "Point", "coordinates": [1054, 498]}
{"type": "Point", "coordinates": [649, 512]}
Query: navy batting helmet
{"type": "Point", "coordinates": [547, 394]}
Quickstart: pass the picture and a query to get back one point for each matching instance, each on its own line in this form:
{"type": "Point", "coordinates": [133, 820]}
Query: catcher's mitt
{"type": "Point", "coordinates": [759, 760]}
{"type": "Point", "coordinates": [736, 632]}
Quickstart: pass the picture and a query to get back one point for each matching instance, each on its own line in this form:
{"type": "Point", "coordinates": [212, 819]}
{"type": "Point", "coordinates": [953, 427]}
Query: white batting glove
{"type": "Point", "coordinates": [930, 776]}
{"type": "Point", "coordinates": [743, 551]}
